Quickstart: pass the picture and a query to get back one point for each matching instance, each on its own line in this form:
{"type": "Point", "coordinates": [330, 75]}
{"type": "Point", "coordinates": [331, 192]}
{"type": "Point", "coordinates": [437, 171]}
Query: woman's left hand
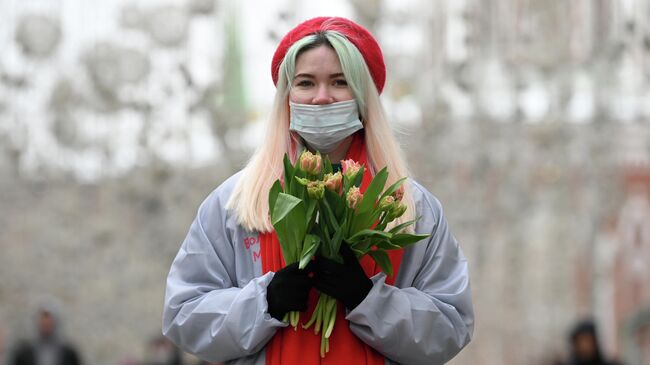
{"type": "Point", "coordinates": [346, 282]}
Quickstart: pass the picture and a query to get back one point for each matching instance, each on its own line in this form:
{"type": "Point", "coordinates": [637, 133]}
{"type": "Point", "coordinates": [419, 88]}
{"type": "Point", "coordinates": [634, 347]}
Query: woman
{"type": "Point", "coordinates": [228, 289]}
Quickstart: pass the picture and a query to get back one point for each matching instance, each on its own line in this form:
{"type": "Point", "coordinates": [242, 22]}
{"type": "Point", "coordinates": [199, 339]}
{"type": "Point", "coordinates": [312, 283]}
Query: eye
{"type": "Point", "coordinates": [303, 83]}
{"type": "Point", "coordinates": [340, 82]}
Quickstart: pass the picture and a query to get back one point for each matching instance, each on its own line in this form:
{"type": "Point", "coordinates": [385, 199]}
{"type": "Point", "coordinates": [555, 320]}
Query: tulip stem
{"type": "Point", "coordinates": [314, 316]}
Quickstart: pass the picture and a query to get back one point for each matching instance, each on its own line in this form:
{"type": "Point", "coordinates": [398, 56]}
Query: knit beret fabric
{"type": "Point", "coordinates": [356, 34]}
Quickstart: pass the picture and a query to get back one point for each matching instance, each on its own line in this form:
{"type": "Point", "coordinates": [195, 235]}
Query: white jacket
{"type": "Point", "coordinates": [215, 302]}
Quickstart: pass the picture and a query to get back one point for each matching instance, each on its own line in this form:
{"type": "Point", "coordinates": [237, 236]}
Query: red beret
{"type": "Point", "coordinates": [358, 35]}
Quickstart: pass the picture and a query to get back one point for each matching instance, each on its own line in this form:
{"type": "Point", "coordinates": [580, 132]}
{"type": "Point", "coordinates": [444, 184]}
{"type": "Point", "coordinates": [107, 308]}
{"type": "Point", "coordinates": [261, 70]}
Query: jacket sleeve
{"type": "Point", "coordinates": [430, 318]}
{"type": "Point", "coordinates": [205, 312]}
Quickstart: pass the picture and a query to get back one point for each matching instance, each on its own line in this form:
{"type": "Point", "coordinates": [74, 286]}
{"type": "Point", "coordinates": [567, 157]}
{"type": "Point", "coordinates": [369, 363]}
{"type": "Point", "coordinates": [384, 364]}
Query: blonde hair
{"type": "Point", "coordinates": [250, 196]}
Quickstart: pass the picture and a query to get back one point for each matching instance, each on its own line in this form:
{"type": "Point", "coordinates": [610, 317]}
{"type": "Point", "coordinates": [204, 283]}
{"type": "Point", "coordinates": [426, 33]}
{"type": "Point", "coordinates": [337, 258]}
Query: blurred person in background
{"type": "Point", "coordinates": [161, 351]}
{"type": "Point", "coordinates": [3, 349]}
{"type": "Point", "coordinates": [228, 289]}
{"type": "Point", "coordinates": [584, 346]}
{"type": "Point", "coordinates": [48, 348]}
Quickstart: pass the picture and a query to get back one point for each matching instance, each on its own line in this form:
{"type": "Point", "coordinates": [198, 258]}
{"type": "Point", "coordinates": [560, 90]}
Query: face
{"type": "Point", "coordinates": [46, 324]}
{"type": "Point", "coordinates": [319, 78]}
{"type": "Point", "coordinates": [585, 346]}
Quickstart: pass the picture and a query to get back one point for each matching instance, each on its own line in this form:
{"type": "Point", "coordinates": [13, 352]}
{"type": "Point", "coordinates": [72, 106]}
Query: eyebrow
{"type": "Point", "coordinates": [332, 76]}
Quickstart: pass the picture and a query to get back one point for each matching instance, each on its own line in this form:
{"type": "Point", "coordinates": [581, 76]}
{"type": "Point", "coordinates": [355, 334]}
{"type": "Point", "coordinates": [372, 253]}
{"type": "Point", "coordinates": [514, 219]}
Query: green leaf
{"type": "Point", "coordinates": [336, 203]}
{"type": "Point", "coordinates": [326, 247]}
{"type": "Point", "coordinates": [368, 233]}
{"type": "Point", "coordinates": [297, 189]}
{"type": "Point", "coordinates": [401, 226]}
{"type": "Point", "coordinates": [362, 246]}
{"type": "Point", "coordinates": [309, 248]}
{"type": "Point", "coordinates": [289, 173]}
{"type": "Point", "coordinates": [331, 218]}
{"type": "Point", "coordinates": [311, 211]}
{"type": "Point", "coordinates": [372, 192]}
{"type": "Point", "coordinates": [284, 204]}
{"type": "Point", "coordinates": [301, 181]}
{"type": "Point", "coordinates": [382, 259]}
{"type": "Point", "coordinates": [335, 243]}
{"type": "Point", "coordinates": [349, 223]}
{"type": "Point", "coordinates": [386, 245]}
{"type": "Point", "coordinates": [287, 240]}
{"type": "Point", "coordinates": [276, 189]}
{"type": "Point", "coordinates": [289, 220]}
{"type": "Point", "coordinates": [327, 166]}
{"type": "Point", "coordinates": [346, 186]}
{"type": "Point", "coordinates": [391, 189]}
{"type": "Point", "coordinates": [360, 221]}
{"type": "Point", "coordinates": [359, 177]}
{"type": "Point", "coordinates": [406, 239]}
{"type": "Point", "coordinates": [296, 224]}
{"type": "Point", "coordinates": [357, 252]}
{"type": "Point", "coordinates": [342, 206]}
{"type": "Point", "coordinates": [333, 199]}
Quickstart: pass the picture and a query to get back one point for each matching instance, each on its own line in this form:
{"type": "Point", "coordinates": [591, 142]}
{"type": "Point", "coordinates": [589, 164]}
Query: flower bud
{"type": "Point", "coordinates": [316, 189]}
{"type": "Point", "coordinates": [354, 197]}
{"type": "Point", "coordinates": [333, 181]}
{"type": "Point", "coordinates": [302, 180]}
{"type": "Point", "coordinates": [311, 163]}
{"type": "Point", "coordinates": [350, 168]}
{"type": "Point", "coordinates": [386, 203]}
{"type": "Point", "coordinates": [396, 211]}
{"type": "Point", "coordinates": [399, 193]}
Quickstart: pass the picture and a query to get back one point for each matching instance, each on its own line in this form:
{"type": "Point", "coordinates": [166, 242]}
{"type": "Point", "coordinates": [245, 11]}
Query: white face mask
{"type": "Point", "coordinates": [323, 127]}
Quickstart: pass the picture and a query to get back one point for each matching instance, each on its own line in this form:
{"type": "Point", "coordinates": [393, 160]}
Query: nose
{"type": "Point", "coordinates": [322, 96]}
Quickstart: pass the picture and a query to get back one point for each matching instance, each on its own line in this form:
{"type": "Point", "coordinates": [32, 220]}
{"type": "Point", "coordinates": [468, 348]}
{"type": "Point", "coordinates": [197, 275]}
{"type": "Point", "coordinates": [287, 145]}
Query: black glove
{"type": "Point", "coordinates": [288, 291]}
{"type": "Point", "coordinates": [346, 282]}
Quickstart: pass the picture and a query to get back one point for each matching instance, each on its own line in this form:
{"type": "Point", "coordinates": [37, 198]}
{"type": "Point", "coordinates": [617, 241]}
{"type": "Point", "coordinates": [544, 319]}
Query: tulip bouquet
{"type": "Point", "coordinates": [317, 210]}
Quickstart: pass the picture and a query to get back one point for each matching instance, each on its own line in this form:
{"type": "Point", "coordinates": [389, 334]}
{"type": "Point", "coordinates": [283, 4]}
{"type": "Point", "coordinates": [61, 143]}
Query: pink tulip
{"type": "Point", "coordinates": [316, 189]}
{"type": "Point", "coordinates": [333, 181]}
{"type": "Point", "coordinates": [350, 168]}
{"type": "Point", "coordinates": [354, 197]}
{"type": "Point", "coordinates": [311, 163]}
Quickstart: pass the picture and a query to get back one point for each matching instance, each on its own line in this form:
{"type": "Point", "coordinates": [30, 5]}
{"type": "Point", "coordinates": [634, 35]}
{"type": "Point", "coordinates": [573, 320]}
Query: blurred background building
{"type": "Point", "coordinates": [530, 120]}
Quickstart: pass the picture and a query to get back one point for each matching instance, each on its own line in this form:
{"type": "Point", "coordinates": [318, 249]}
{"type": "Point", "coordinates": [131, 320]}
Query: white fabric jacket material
{"type": "Point", "coordinates": [215, 301]}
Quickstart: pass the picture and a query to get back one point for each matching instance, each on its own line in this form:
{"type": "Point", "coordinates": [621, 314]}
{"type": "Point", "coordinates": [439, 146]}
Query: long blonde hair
{"type": "Point", "coordinates": [250, 196]}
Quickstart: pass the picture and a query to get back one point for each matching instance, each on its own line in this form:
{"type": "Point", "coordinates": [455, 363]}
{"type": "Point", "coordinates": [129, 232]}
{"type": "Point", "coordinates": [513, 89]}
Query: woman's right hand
{"type": "Point", "coordinates": [288, 290]}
